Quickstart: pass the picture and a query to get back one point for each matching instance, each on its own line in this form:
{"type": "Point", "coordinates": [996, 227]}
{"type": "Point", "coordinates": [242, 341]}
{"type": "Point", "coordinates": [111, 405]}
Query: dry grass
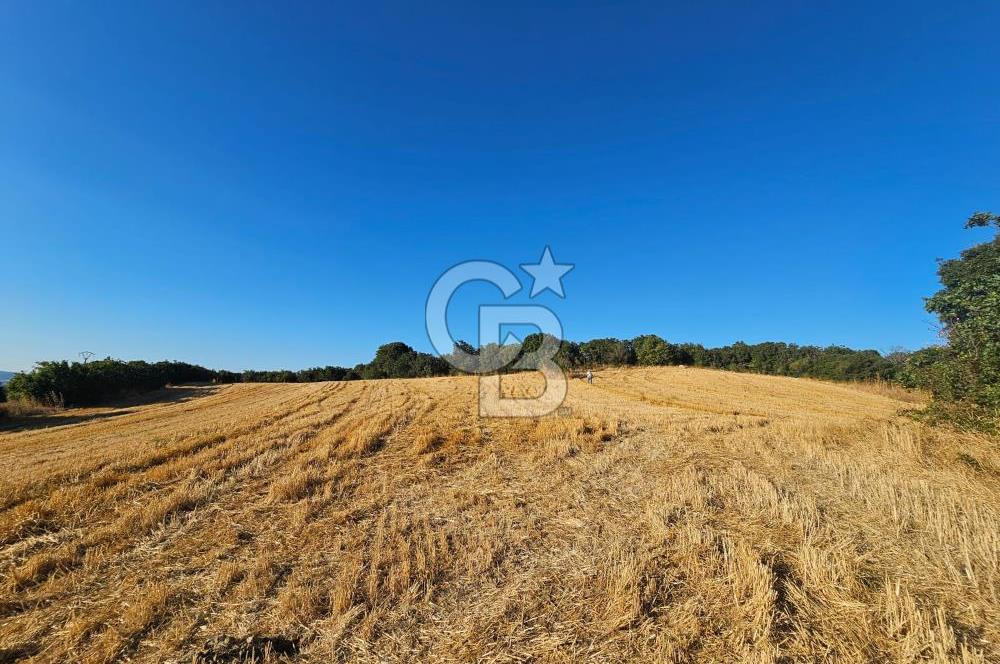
{"type": "Point", "coordinates": [18, 409]}
{"type": "Point", "coordinates": [668, 515]}
{"type": "Point", "coordinates": [893, 391]}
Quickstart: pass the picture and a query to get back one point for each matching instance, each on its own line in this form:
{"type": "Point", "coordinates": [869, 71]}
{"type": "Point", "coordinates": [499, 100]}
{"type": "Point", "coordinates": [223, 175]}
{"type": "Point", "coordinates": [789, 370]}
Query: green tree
{"type": "Point", "coordinates": [651, 350]}
{"type": "Point", "coordinates": [968, 306]}
{"type": "Point", "coordinates": [607, 352]}
{"type": "Point", "coordinates": [397, 360]}
{"type": "Point", "coordinates": [88, 383]}
{"type": "Point", "coordinates": [569, 355]}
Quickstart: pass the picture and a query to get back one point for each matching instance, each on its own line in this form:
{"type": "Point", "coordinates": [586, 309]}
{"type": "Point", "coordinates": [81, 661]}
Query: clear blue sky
{"type": "Point", "coordinates": [278, 185]}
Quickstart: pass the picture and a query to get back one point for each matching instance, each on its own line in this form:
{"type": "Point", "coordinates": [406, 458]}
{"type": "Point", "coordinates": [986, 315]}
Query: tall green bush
{"type": "Point", "coordinates": [968, 306]}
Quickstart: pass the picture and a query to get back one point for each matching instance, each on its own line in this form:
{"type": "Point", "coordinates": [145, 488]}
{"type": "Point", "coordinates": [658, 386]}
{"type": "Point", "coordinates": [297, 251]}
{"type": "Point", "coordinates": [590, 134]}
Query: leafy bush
{"type": "Point", "coordinates": [90, 383]}
{"type": "Point", "coordinates": [607, 352]}
{"type": "Point", "coordinates": [651, 350]}
{"type": "Point", "coordinates": [317, 374]}
{"type": "Point", "coordinates": [968, 306]}
{"type": "Point", "coordinates": [397, 360]}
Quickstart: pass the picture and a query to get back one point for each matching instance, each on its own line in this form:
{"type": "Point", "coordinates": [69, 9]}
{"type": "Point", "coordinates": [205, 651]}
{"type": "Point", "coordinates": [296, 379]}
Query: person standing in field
{"type": "Point", "coordinates": [590, 376]}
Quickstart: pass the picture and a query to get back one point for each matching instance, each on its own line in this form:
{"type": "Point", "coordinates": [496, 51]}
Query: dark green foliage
{"type": "Point", "coordinates": [968, 306]}
{"type": "Point", "coordinates": [781, 359]}
{"type": "Point", "coordinates": [84, 384]}
{"type": "Point", "coordinates": [531, 354]}
{"type": "Point", "coordinates": [278, 376]}
{"type": "Point", "coordinates": [532, 343]}
{"type": "Point", "coordinates": [3, 394]}
{"type": "Point", "coordinates": [695, 354]}
{"type": "Point", "coordinates": [929, 369]}
{"type": "Point", "coordinates": [313, 375]}
{"type": "Point", "coordinates": [397, 360]}
{"type": "Point", "coordinates": [607, 352]}
{"type": "Point", "coordinates": [651, 350]}
{"type": "Point", "coordinates": [319, 374]}
{"type": "Point", "coordinates": [569, 355]}
{"type": "Point", "coordinates": [224, 377]}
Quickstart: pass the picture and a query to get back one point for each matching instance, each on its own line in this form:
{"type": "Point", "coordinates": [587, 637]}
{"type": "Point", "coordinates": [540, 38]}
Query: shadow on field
{"type": "Point", "coordinates": [173, 394]}
{"type": "Point", "coordinates": [27, 422]}
{"type": "Point", "coordinates": [51, 417]}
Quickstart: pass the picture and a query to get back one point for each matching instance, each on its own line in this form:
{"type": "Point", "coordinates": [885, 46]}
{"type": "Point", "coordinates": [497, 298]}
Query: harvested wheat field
{"type": "Point", "coordinates": [670, 515]}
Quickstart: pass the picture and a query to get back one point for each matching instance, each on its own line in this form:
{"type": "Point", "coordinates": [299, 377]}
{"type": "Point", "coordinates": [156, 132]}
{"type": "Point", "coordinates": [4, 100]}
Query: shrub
{"type": "Point", "coordinates": [651, 350]}
{"type": "Point", "coordinates": [397, 360]}
{"type": "Point", "coordinates": [607, 352]}
{"type": "Point", "coordinates": [90, 383]}
{"type": "Point", "coordinates": [968, 306]}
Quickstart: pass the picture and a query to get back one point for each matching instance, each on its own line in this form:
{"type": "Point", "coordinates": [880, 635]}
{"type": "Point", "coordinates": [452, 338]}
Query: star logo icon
{"type": "Point", "coordinates": [546, 274]}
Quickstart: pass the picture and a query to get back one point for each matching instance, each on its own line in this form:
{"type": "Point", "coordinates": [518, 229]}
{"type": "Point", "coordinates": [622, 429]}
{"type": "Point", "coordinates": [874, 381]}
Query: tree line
{"type": "Point", "coordinates": [100, 381]}
{"type": "Point", "coordinates": [963, 374]}
{"type": "Point", "coordinates": [775, 358]}
{"type": "Point", "coordinates": [91, 383]}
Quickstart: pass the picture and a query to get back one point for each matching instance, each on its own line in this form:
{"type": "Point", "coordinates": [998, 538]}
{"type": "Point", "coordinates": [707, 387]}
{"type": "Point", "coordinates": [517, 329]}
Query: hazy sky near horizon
{"type": "Point", "coordinates": [270, 185]}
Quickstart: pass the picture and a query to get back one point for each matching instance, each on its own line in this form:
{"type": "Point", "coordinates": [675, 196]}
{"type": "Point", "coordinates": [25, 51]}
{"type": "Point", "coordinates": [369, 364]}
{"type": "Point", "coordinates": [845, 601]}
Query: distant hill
{"type": "Point", "coordinates": [5, 376]}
